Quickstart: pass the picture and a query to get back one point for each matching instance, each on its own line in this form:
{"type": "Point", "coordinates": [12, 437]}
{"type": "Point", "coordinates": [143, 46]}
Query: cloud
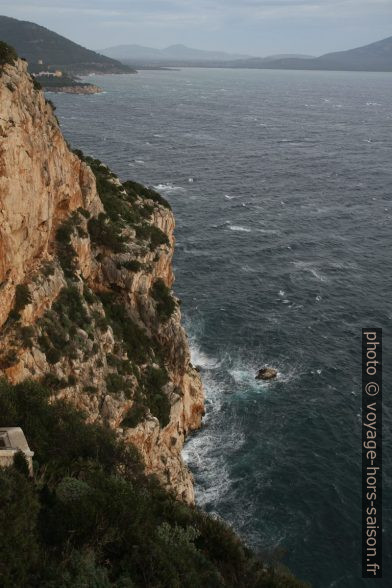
{"type": "Point", "coordinates": [272, 25]}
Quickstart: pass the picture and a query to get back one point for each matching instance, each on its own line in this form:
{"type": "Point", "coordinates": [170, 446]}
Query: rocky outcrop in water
{"type": "Point", "coordinates": [86, 305]}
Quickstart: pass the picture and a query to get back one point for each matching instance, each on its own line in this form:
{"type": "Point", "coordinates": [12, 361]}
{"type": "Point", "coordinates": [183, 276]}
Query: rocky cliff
{"type": "Point", "coordinates": [86, 305]}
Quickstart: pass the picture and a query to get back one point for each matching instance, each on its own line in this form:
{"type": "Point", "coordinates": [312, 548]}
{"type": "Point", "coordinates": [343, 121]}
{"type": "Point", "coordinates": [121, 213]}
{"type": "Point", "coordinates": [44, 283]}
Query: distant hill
{"type": "Point", "coordinates": [174, 53]}
{"type": "Point", "coordinates": [374, 57]}
{"type": "Point", "coordinates": [36, 43]}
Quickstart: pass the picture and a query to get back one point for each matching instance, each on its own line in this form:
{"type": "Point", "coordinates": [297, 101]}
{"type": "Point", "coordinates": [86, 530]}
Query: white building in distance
{"type": "Point", "coordinates": [12, 440]}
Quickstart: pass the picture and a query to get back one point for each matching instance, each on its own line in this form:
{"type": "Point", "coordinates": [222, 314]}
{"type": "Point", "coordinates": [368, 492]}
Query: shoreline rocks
{"type": "Point", "coordinates": [79, 89]}
{"type": "Point", "coordinates": [266, 374]}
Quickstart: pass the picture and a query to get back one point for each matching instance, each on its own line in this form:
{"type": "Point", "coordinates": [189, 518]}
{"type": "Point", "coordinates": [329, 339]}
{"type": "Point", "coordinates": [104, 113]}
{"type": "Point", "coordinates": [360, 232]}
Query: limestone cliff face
{"type": "Point", "coordinates": [41, 182]}
{"type": "Point", "coordinates": [85, 287]}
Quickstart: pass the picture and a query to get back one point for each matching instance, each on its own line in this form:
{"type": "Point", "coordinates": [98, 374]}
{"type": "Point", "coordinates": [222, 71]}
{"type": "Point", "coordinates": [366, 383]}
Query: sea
{"type": "Point", "coordinates": [281, 184]}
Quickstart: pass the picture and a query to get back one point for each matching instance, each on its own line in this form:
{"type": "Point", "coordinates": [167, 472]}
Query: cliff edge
{"type": "Point", "coordinates": [86, 306]}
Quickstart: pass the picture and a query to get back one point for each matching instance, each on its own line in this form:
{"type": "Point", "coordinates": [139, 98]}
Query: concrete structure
{"type": "Point", "coordinates": [48, 74]}
{"type": "Point", "coordinates": [12, 440]}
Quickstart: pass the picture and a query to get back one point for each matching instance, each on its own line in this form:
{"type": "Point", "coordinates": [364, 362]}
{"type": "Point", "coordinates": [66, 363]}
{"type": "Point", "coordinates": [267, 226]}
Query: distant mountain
{"type": "Point", "coordinates": [36, 44]}
{"type": "Point", "coordinates": [174, 53]}
{"type": "Point", "coordinates": [374, 57]}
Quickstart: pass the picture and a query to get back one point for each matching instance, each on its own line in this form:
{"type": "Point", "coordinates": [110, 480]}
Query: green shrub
{"type": "Point", "coordinates": [22, 299]}
{"type": "Point", "coordinates": [134, 338]}
{"type": "Point", "coordinates": [8, 54]}
{"type": "Point", "coordinates": [133, 265]}
{"type": "Point", "coordinates": [157, 401]}
{"type": "Point", "coordinates": [90, 389]}
{"type": "Point", "coordinates": [27, 333]}
{"type": "Point", "coordinates": [21, 464]}
{"type": "Point", "coordinates": [18, 528]}
{"type": "Point", "coordinates": [53, 382]}
{"type": "Point", "coordinates": [153, 234]}
{"type": "Point", "coordinates": [53, 355]}
{"type": "Point", "coordinates": [115, 383]}
{"type": "Point", "coordinates": [70, 307]}
{"type": "Point", "coordinates": [164, 299]}
{"type": "Point", "coordinates": [60, 326]}
{"type": "Point", "coordinates": [8, 359]}
{"type": "Point", "coordinates": [65, 250]}
{"type": "Point", "coordinates": [135, 415]}
{"type": "Point", "coordinates": [135, 189]}
{"type": "Point", "coordinates": [48, 269]}
{"type": "Point", "coordinates": [36, 84]}
{"type": "Point", "coordinates": [94, 519]}
{"type": "Point", "coordinates": [105, 233]}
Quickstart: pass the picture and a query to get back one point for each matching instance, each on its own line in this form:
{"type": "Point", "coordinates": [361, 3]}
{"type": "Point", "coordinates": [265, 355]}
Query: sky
{"type": "Point", "coordinates": [254, 27]}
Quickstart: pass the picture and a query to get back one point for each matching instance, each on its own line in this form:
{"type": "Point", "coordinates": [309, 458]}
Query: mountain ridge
{"type": "Point", "coordinates": [36, 43]}
{"type": "Point", "coordinates": [375, 56]}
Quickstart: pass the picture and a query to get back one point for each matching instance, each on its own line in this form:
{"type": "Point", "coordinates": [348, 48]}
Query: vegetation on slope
{"type": "Point", "coordinates": [7, 54]}
{"type": "Point", "coordinates": [35, 43]}
{"type": "Point", "coordinates": [90, 517]}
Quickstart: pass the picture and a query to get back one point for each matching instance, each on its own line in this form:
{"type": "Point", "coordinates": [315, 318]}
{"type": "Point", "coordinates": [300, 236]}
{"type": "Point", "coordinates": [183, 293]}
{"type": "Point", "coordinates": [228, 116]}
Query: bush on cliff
{"type": "Point", "coordinates": [90, 517]}
{"type": "Point", "coordinates": [22, 299]}
{"type": "Point", "coordinates": [164, 299]}
{"type": "Point", "coordinates": [8, 54]}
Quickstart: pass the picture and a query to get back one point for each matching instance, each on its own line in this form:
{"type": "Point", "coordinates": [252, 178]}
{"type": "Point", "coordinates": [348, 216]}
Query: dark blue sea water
{"type": "Point", "coordinates": [281, 186]}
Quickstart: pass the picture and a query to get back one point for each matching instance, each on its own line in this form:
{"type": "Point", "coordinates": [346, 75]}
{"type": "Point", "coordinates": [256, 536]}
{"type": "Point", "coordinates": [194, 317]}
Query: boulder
{"type": "Point", "coordinates": [267, 373]}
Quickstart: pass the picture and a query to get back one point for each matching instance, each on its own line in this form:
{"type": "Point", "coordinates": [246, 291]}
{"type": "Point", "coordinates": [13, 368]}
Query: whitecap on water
{"type": "Point", "coordinates": [168, 188]}
{"type": "Point", "coordinates": [309, 267]}
{"type": "Point", "coordinates": [239, 228]}
{"type": "Point", "coordinates": [199, 358]}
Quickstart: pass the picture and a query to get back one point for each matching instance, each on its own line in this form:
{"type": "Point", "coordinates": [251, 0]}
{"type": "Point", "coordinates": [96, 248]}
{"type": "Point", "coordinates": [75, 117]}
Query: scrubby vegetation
{"type": "Point", "coordinates": [136, 189]}
{"type": "Point", "coordinates": [140, 350]}
{"type": "Point", "coordinates": [65, 326]}
{"type": "Point", "coordinates": [90, 517]}
{"type": "Point", "coordinates": [164, 299]}
{"type": "Point", "coordinates": [8, 55]}
{"type": "Point", "coordinates": [125, 206]}
{"type": "Point", "coordinates": [106, 234]}
{"type": "Point", "coordinates": [154, 379]}
{"type": "Point", "coordinates": [66, 253]}
{"type": "Point", "coordinates": [22, 299]}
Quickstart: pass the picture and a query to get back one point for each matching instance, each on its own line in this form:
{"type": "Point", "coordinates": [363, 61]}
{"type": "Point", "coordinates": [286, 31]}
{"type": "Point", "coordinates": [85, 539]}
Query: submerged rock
{"type": "Point", "coordinates": [267, 374]}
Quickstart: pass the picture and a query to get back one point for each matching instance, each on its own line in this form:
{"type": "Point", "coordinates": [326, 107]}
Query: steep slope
{"type": "Point", "coordinates": [94, 366]}
{"type": "Point", "coordinates": [35, 43]}
{"type": "Point", "coordinates": [374, 57]}
{"type": "Point", "coordinates": [85, 287]}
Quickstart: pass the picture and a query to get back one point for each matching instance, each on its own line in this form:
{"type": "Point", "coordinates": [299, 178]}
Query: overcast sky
{"type": "Point", "coordinates": [258, 27]}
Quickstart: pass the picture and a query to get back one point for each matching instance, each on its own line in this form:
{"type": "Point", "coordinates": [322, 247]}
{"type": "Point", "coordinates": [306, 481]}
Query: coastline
{"type": "Point", "coordinates": [77, 89]}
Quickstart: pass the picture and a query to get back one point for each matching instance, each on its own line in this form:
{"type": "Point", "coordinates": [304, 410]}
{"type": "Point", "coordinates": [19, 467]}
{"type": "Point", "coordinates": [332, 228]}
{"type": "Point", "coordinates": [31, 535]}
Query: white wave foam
{"type": "Point", "coordinates": [169, 188]}
{"type": "Point", "coordinates": [267, 231]}
{"type": "Point", "coordinates": [199, 358]}
{"type": "Point", "coordinates": [239, 228]}
{"type": "Point", "coordinates": [307, 266]}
